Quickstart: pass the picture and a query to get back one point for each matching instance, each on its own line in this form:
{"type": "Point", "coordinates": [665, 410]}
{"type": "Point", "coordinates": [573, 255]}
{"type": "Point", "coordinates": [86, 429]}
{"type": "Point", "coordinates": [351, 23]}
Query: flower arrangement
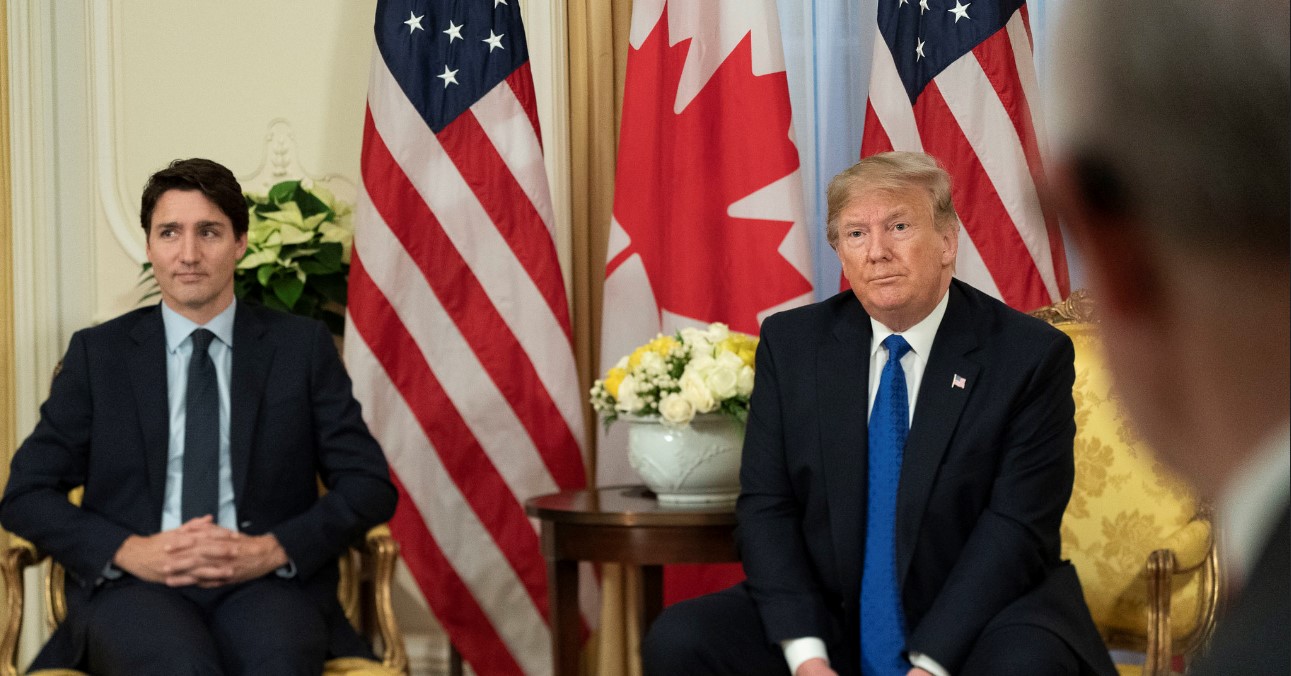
{"type": "Point", "coordinates": [678, 377]}
{"type": "Point", "coordinates": [299, 240]}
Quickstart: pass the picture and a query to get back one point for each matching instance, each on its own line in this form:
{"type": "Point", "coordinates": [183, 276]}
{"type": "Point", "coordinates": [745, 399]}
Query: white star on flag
{"type": "Point", "coordinates": [495, 41]}
{"type": "Point", "coordinates": [414, 23]}
{"type": "Point", "coordinates": [918, 51]}
{"type": "Point", "coordinates": [454, 32]}
{"type": "Point", "coordinates": [923, 6]}
{"type": "Point", "coordinates": [960, 11]}
{"type": "Point", "coordinates": [448, 76]}
{"type": "Point", "coordinates": [958, 381]}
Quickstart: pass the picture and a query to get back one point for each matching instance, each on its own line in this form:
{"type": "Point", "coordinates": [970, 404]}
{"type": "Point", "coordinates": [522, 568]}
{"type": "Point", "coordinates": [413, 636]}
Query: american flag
{"type": "Point", "coordinates": [957, 80]}
{"type": "Point", "coordinates": [458, 334]}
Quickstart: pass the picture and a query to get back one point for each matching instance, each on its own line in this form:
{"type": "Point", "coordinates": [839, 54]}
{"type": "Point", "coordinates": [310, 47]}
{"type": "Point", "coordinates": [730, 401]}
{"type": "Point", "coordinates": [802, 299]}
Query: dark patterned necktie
{"type": "Point", "coordinates": [201, 433]}
{"type": "Point", "coordinates": [882, 620]}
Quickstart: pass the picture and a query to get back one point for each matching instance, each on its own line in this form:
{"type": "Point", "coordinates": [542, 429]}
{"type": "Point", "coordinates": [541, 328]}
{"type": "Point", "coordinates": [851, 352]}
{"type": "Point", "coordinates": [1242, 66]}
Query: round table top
{"type": "Point", "coordinates": [624, 506]}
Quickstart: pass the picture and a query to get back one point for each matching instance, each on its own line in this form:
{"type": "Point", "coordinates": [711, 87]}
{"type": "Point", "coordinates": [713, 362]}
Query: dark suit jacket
{"type": "Point", "coordinates": [1251, 636]}
{"type": "Point", "coordinates": [105, 426]}
{"type": "Point", "coordinates": [986, 475]}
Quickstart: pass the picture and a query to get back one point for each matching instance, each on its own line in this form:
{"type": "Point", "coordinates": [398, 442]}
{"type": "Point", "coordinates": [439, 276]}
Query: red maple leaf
{"type": "Point", "coordinates": [678, 175]}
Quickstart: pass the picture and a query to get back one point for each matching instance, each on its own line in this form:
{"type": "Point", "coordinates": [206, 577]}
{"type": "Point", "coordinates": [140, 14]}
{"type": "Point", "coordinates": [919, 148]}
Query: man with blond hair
{"type": "Point", "coordinates": [907, 461]}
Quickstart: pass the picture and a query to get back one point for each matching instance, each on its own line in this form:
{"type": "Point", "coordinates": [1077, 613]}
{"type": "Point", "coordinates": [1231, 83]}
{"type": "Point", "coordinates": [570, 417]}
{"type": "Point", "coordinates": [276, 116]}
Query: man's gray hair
{"type": "Point", "coordinates": [1177, 113]}
{"type": "Point", "coordinates": [893, 171]}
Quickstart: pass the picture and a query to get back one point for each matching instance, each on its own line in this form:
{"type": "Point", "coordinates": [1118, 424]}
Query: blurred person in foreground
{"type": "Point", "coordinates": [1174, 180]}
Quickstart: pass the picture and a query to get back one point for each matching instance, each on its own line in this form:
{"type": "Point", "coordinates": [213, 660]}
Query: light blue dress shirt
{"type": "Point", "coordinates": [179, 350]}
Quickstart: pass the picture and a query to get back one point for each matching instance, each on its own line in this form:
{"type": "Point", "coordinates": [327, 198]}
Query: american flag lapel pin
{"type": "Point", "coordinates": [958, 381]}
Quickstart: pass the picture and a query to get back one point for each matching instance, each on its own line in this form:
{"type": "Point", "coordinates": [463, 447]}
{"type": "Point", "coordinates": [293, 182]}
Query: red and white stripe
{"type": "Point", "coordinates": [458, 341]}
{"type": "Point", "coordinates": [977, 118]}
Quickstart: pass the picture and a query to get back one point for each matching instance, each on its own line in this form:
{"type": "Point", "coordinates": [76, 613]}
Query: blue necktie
{"type": "Point", "coordinates": [882, 621]}
{"type": "Point", "coordinates": [200, 485]}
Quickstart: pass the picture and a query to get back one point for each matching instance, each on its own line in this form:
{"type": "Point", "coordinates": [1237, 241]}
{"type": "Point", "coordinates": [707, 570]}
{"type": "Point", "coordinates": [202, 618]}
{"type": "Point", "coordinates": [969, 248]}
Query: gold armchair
{"type": "Point", "coordinates": [1143, 545]}
{"type": "Point", "coordinates": [366, 572]}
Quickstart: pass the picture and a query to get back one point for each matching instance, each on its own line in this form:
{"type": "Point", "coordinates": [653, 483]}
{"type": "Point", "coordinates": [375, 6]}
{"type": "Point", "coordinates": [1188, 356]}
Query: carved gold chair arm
{"type": "Point", "coordinates": [382, 553]}
{"type": "Point", "coordinates": [17, 557]}
{"type": "Point", "coordinates": [1188, 550]}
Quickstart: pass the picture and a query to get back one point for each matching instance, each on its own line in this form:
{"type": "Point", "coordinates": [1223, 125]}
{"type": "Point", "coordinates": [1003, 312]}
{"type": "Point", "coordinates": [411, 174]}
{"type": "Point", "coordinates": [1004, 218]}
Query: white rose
{"type": "Point", "coordinates": [628, 402]}
{"type": "Point", "coordinates": [622, 363]}
{"type": "Point", "coordinates": [729, 360]}
{"type": "Point", "coordinates": [694, 390]}
{"type": "Point", "coordinates": [676, 409]}
{"type": "Point", "coordinates": [701, 365]}
{"type": "Point", "coordinates": [722, 381]}
{"type": "Point", "coordinates": [690, 335]}
{"type": "Point", "coordinates": [717, 332]}
{"type": "Point", "coordinates": [651, 362]}
{"type": "Point", "coordinates": [744, 382]}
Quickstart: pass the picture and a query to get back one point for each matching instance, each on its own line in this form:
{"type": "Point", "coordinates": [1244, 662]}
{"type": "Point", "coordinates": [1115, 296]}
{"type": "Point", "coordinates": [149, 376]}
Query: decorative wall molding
{"type": "Point", "coordinates": [34, 259]}
{"type": "Point", "coordinates": [281, 163]}
{"type": "Point", "coordinates": [112, 193]}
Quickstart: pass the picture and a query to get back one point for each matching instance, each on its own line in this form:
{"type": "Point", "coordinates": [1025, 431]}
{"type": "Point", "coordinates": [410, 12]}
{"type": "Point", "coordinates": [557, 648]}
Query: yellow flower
{"type": "Point", "coordinates": [612, 381]}
{"type": "Point", "coordinates": [741, 345]}
{"type": "Point", "coordinates": [661, 346]}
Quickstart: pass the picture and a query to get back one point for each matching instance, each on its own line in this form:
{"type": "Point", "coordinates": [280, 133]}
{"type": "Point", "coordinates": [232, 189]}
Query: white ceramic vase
{"type": "Point", "coordinates": [695, 464]}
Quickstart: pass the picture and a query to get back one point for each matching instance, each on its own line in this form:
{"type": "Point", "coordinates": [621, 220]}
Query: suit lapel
{"type": "Point", "coordinates": [937, 410]}
{"type": "Point", "coordinates": [252, 355]}
{"type": "Point", "coordinates": [148, 380]}
{"type": "Point", "coordinates": [842, 375]}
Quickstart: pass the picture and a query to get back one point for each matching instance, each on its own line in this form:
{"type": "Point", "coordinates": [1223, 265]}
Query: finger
{"type": "Point", "coordinates": [198, 522]}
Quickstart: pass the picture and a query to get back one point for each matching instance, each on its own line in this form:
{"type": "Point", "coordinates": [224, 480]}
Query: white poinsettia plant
{"type": "Point", "coordinates": [695, 371]}
{"type": "Point", "coordinates": [299, 242]}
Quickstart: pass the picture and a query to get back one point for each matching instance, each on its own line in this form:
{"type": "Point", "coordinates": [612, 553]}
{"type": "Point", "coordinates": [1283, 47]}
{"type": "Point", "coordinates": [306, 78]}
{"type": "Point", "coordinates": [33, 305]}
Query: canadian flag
{"type": "Point", "coordinates": [708, 218]}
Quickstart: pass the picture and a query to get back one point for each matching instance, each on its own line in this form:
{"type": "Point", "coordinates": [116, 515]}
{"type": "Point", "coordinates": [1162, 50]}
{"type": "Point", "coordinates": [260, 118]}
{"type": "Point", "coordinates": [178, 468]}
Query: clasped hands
{"type": "Point", "coordinates": [200, 552]}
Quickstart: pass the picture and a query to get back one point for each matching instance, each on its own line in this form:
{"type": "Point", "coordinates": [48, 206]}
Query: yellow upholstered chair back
{"type": "Point", "coordinates": [1139, 539]}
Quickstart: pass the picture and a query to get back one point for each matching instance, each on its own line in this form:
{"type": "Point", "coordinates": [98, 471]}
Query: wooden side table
{"type": "Point", "coordinates": [620, 524]}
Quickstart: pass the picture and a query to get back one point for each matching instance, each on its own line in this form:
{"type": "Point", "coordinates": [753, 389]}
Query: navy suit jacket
{"type": "Point", "coordinates": [986, 475]}
{"type": "Point", "coordinates": [293, 421]}
{"type": "Point", "coordinates": [1251, 635]}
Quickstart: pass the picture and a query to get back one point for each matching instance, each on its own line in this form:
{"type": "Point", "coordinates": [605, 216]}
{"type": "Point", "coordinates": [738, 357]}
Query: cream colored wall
{"type": "Point", "coordinates": [104, 92]}
{"type": "Point", "coordinates": [174, 79]}
{"type": "Point", "coordinates": [205, 79]}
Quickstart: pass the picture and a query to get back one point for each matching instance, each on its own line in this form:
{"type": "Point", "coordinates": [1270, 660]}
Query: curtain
{"type": "Point", "coordinates": [598, 48]}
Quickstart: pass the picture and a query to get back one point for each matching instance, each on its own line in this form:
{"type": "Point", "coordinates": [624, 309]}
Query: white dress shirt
{"type": "Point", "coordinates": [920, 337]}
{"type": "Point", "coordinates": [1250, 505]}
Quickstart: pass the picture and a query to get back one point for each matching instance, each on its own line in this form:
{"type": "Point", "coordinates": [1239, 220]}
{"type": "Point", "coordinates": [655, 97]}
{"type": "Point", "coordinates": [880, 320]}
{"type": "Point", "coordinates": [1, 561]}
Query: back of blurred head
{"type": "Point", "coordinates": [1171, 125]}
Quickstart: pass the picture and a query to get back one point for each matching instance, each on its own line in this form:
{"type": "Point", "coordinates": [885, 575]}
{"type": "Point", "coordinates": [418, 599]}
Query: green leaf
{"type": "Point", "coordinates": [283, 192]}
{"type": "Point", "coordinates": [274, 303]}
{"type": "Point", "coordinates": [329, 254]}
{"type": "Point", "coordinates": [265, 272]}
{"type": "Point", "coordinates": [288, 290]}
{"type": "Point", "coordinates": [310, 205]}
{"type": "Point", "coordinates": [333, 287]}
{"type": "Point", "coordinates": [314, 268]}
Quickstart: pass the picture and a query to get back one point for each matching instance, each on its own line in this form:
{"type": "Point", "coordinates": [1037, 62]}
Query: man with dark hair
{"type": "Point", "coordinates": [906, 465]}
{"type": "Point", "coordinates": [200, 430]}
{"type": "Point", "coordinates": [1174, 178]}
